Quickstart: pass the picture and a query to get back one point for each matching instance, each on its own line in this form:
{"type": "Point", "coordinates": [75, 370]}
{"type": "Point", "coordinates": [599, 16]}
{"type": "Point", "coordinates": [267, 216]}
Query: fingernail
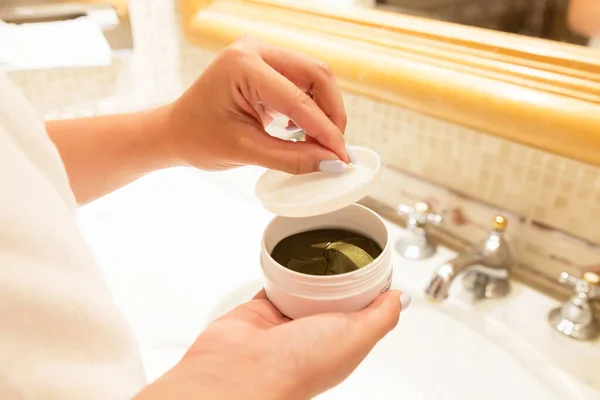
{"type": "Point", "coordinates": [405, 300]}
{"type": "Point", "coordinates": [351, 155]}
{"type": "Point", "coordinates": [292, 128]}
{"type": "Point", "coordinates": [335, 166]}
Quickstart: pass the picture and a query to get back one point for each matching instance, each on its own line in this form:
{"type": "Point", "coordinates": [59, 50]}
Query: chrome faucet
{"type": "Point", "coordinates": [491, 279]}
{"type": "Point", "coordinates": [575, 318]}
{"type": "Point", "coordinates": [417, 244]}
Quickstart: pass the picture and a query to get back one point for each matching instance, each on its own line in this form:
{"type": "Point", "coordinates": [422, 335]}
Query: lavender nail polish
{"type": "Point", "coordinates": [405, 300]}
{"type": "Point", "coordinates": [351, 155]}
{"type": "Point", "coordinates": [333, 166]}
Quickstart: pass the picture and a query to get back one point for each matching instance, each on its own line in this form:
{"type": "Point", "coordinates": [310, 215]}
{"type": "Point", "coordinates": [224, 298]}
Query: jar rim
{"type": "Point", "coordinates": [330, 284]}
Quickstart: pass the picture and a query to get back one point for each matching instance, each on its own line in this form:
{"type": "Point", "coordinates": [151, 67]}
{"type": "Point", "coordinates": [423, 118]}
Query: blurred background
{"type": "Point", "coordinates": [546, 19]}
{"type": "Point", "coordinates": [446, 91]}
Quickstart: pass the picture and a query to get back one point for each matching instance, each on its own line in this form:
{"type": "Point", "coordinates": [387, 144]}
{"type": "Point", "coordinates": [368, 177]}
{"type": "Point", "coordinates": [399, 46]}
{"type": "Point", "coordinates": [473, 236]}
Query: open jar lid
{"type": "Point", "coordinates": [318, 192]}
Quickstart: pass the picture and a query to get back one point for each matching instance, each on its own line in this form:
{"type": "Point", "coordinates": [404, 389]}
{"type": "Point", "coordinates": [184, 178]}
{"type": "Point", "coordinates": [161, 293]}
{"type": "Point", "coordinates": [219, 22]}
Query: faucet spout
{"type": "Point", "coordinates": [445, 274]}
{"type": "Point", "coordinates": [493, 254]}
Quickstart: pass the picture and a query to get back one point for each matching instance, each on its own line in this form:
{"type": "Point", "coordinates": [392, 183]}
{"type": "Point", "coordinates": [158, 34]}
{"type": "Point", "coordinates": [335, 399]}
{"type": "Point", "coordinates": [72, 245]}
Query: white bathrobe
{"type": "Point", "coordinates": [61, 335]}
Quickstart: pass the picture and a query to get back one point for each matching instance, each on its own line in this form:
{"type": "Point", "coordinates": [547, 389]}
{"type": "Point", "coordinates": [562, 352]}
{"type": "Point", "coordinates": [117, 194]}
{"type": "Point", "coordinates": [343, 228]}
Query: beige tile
{"type": "Point", "coordinates": [532, 176]}
{"type": "Point", "coordinates": [583, 193]}
{"type": "Point", "coordinates": [571, 170]}
{"type": "Point", "coordinates": [561, 201]}
{"type": "Point", "coordinates": [519, 152]}
{"type": "Point", "coordinates": [540, 213]}
{"type": "Point", "coordinates": [536, 157]}
{"type": "Point", "coordinates": [432, 142]}
{"type": "Point", "coordinates": [484, 174]}
{"type": "Point", "coordinates": [575, 222]}
{"type": "Point", "coordinates": [554, 164]}
{"type": "Point", "coordinates": [475, 139]}
{"type": "Point", "coordinates": [505, 151]}
{"type": "Point", "coordinates": [566, 186]}
{"type": "Point", "coordinates": [590, 175]}
{"type": "Point", "coordinates": [595, 216]}
{"type": "Point", "coordinates": [549, 181]}
{"type": "Point", "coordinates": [515, 171]}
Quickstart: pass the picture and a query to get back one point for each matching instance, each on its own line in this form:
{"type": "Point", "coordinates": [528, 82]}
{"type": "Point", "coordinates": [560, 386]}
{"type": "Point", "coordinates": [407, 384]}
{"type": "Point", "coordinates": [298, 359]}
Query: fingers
{"type": "Point", "coordinates": [308, 73]}
{"type": "Point", "coordinates": [330, 346]}
{"type": "Point", "coordinates": [259, 312]}
{"type": "Point", "coordinates": [379, 318]}
{"type": "Point", "coordinates": [262, 295]}
{"type": "Point", "coordinates": [283, 96]}
{"type": "Point", "coordinates": [270, 152]}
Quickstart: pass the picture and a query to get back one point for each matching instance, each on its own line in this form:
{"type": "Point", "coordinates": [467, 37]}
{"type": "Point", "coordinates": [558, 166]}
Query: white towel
{"type": "Point", "coordinates": [73, 43]}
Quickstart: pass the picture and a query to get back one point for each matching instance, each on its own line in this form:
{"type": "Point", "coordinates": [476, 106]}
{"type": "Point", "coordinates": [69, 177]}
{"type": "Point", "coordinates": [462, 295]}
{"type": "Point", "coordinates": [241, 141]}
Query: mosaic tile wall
{"type": "Point", "coordinates": [553, 203]}
{"type": "Point", "coordinates": [549, 189]}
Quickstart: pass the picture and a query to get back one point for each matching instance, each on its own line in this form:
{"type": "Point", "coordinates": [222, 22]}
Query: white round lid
{"type": "Point", "coordinates": [318, 192]}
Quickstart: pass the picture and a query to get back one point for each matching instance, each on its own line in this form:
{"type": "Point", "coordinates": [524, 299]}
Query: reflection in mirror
{"type": "Point", "coordinates": [557, 20]}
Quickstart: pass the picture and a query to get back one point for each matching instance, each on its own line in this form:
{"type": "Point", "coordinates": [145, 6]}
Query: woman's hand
{"type": "Point", "coordinates": [254, 352]}
{"type": "Point", "coordinates": [219, 122]}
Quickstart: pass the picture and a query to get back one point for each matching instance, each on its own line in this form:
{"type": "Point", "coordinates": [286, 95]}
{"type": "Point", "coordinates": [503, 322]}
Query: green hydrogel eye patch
{"type": "Point", "coordinates": [326, 252]}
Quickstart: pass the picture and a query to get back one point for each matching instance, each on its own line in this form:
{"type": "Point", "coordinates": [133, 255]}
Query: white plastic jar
{"type": "Point", "coordinates": [297, 295]}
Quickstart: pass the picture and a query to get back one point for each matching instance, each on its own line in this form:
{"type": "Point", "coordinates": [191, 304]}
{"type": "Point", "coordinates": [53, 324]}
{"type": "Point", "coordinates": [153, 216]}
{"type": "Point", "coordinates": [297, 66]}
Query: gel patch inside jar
{"type": "Point", "coordinates": [326, 252]}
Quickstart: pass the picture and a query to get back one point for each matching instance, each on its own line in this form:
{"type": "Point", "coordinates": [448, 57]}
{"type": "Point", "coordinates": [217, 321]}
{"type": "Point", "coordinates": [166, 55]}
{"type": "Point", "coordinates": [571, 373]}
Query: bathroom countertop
{"type": "Point", "coordinates": [163, 245]}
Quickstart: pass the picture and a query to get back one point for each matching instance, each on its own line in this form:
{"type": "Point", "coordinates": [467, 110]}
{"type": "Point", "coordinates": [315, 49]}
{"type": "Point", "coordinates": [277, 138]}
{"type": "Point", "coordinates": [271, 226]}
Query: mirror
{"type": "Point", "coordinates": [568, 21]}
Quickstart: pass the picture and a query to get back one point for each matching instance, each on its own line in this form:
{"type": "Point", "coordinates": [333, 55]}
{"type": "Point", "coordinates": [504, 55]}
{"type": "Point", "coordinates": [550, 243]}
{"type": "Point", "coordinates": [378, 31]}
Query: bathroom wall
{"type": "Point", "coordinates": [553, 203]}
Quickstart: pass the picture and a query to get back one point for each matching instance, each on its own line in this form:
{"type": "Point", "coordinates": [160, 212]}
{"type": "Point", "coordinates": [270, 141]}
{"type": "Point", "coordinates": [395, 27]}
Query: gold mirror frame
{"type": "Point", "coordinates": [537, 92]}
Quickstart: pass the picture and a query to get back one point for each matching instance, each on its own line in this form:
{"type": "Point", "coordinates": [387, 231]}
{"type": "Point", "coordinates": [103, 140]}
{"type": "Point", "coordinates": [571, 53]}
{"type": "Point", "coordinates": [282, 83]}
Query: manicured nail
{"type": "Point", "coordinates": [335, 166]}
{"type": "Point", "coordinates": [292, 129]}
{"type": "Point", "coordinates": [405, 300]}
{"type": "Point", "coordinates": [351, 155]}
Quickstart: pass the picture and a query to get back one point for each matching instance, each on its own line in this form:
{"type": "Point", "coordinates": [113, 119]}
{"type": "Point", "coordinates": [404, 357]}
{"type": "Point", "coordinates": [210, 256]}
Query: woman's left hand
{"type": "Point", "coordinates": [218, 123]}
{"type": "Point", "coordinates": [255, 352]}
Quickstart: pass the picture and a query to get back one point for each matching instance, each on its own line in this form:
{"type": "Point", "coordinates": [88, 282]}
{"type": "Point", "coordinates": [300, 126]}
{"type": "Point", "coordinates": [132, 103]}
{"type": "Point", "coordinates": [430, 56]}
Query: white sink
{"type": "Point", "coordinates": [163, 244]}
{"type": "Point", "coordinates": [432, 354]}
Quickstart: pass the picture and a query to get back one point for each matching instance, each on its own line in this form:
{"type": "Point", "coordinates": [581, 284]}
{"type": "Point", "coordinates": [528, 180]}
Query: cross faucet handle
{"type": "Point", "coordinates": [500, 223]}
{"type": "Point", "coordinates": [419, 215]}
{"type": "Point", "coordinates": [417, 245]}
{"type": "Point", "coordinates": [588, 285]}
{"type": "Point", "coordinates": [575, 318]}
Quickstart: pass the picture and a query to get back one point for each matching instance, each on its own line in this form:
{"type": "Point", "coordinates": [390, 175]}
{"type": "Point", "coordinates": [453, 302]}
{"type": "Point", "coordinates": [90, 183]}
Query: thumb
{"type": "Point", "coordinates": [380, 317]}
{"type": "Point", "coordinates": [267, 151]}
{"type": "Point", "coordinates": [335, 344]}
{"type": "Point", "coordinates": [367, 327]}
